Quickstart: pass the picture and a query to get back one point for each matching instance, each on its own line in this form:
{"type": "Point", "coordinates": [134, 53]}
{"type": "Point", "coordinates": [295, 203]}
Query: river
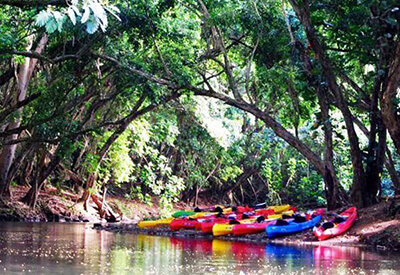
{"type": "Point", "coordinates": [61, 248]}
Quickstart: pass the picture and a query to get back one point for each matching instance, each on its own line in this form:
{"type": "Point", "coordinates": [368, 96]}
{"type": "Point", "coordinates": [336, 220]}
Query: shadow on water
{"type": "Point", "coordinates": [51, 248]}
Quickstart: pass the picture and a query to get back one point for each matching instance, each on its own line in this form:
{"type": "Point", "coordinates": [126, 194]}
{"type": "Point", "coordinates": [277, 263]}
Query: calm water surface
{"type": "Point", "coordinates": [55, 248]}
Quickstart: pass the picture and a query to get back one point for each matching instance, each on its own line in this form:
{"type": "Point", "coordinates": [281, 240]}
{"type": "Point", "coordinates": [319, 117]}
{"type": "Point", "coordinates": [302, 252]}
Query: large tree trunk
{"type": "Point", "coordinates": [335, 195]}
{"type": "Point", "coordinates": [376, 149]}
{"type": "Point", "coordinates": [303, 12]}
{"type": "Point", "coordinates": [334, 192]}
{"type": "Point", "coordinates": [44, 172]}
{"type": "Point", "coordinates": [390, 167]}
{"type": "Point", "coordinates": [388, 103]}
{"type": "Point", "coordinates": [8, 153]}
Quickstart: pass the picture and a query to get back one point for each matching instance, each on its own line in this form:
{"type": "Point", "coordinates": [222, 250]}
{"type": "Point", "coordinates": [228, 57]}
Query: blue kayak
{"type": "Point", "coordinates": [291, 227]}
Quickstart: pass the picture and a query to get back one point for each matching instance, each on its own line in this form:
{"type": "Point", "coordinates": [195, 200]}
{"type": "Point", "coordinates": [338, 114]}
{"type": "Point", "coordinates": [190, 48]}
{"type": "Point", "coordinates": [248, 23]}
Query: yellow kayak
{"type": "Point", "coordinates": [280, 208]}
{"type": "Point", "coordinates": [279, 216]}
{"type": "Point", "coordinates": [221, 229]}
{"type": "Point", "coordinates": [155, 223]}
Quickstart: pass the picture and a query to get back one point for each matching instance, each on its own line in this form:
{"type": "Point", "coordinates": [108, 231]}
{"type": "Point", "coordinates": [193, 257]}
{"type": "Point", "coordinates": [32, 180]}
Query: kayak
{"type": "Point", "coordinates": [221, 229]}
{"type": "Point", "coordinates": [252, 228]}
{"type": "Point", "coordinates": [178, 224]}
{"type": "Point", "coordinates": [208, 214]}
{"type": "Point", "coordinates": [337, 226]}
{"type": "Point", "coordinates": [207, 226]}
{"type": "Point", "coordinates": [155, 223]}
{"type": "Point", "coordinates": [242, 209]}
{"type": "Point", "coordinates": [257, 227]}
{"type": "Point", "coordinates": [192, 222]}
{"type": "Point", "coordinates": [280, 208]}
{"type": "Point", "coordinates": [291, 227]}
{"type": "Point", "coordinates": [202, 213]}
{"type": "Point", "coordinates": [183, 213]}
{"type": "Point", "coordinates": [226, 228]}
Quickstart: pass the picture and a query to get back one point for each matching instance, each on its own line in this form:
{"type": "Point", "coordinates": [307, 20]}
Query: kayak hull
{"type": "Point", "coordinates": [280, 208]}
{"type": "Point", "coordinates": [253, 228]}
{"type": "Point", "coordinates": [178, 224]}
{"type": "Point", "coordinates": [291, 228]}
{"type": "Point", "coordinates": [156, 223]}
{"type": "Point", "coordinates": [207, 227]}
{"type": "Point", "coordinates": [222, 229]}
{"type": "Point", "coordinates": [351, 217]}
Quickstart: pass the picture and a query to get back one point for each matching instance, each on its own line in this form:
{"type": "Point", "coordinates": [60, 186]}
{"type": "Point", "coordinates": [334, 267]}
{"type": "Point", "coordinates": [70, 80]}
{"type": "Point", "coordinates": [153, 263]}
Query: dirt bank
{"type": "Point", "coordinates": [376, 226]}
{"type": "Point", "coordinates": [64, 206]}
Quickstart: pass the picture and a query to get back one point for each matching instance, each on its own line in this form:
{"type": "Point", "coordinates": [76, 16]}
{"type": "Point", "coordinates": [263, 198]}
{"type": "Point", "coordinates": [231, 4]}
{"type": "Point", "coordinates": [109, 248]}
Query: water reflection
{"type": "Point", "coordinates": [77, 249]}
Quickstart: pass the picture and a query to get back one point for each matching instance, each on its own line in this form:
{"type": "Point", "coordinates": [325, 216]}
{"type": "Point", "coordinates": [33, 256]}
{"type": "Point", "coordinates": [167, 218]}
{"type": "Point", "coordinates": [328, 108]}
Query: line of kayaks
{"type": "Point", "coordinates": [276, 221]}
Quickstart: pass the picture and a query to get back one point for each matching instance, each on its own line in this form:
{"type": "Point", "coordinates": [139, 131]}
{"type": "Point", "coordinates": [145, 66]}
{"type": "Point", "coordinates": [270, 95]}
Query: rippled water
{"type": "Point", "coordinates": [51, 248]}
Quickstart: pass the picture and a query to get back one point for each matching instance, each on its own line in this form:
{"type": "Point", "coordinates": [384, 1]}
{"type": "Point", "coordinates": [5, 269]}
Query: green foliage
{"type": "Point", "coordinates": [190, 145]}
{"type": "Point", "coordinates": [91, 13]}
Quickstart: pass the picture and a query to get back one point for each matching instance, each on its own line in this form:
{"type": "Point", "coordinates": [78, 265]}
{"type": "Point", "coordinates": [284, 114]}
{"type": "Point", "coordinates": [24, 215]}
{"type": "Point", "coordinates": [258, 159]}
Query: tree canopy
{"type": "Point", "coordinates": [244, 101]}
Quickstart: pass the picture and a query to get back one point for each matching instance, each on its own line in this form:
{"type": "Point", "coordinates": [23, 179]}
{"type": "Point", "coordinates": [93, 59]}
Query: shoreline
{"type": "Point", "coordinates": [303, 238]}
{"type": "Point", "coordinates": [376, 227]}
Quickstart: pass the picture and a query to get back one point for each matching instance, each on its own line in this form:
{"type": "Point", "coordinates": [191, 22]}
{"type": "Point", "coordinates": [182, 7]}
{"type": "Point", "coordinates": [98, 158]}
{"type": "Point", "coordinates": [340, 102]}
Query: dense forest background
{"type": "Point", "coordinates": [236, 101]}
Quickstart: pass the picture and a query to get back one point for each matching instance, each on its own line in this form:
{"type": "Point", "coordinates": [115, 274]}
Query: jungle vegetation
{"type": "Point", "coordinates": [244, 101]}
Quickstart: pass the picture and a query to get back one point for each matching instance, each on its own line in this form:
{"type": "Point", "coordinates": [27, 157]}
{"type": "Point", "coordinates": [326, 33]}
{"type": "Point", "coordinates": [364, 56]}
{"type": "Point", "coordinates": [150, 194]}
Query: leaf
{"type": "Point", "coordinates": [92, 25]}
{"type": "Point", "coordinates": [86, 14]}
{"type": "Point", "coordinates": [71, 15]}
{"type": "Point", "coordinates": [113, 13]}
{"type": "Point", "coordinates": [51, 25]}
{"type": "Point", "coordinates": [60, 19]}
{"type": "Point", "coordinates": [76, 10]}
{"type": "Point", "coordinates": [42, 18]}
{"type": "Point", "coordinates": [99, 12]}
{"type": "Point", "coordinates": [103, 25]}
{"type": "Point", "coordinates": [114, 8]}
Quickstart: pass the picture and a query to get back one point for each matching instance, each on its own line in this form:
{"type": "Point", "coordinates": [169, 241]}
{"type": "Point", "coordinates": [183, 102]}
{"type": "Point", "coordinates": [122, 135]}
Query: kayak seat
{"type": "Point", "coordinates": [260, 219]}
{"type": "Point", "coordinates": [245, 216]}
{"type": "Point", "coordinates": [234, 222]}
{"type": "Point", "coordinates": [260, 205]}
{"type": "Point", "coordinates": [218, 209]}
{"type": "Point", "coordinates": [299, 219]}
{"type": "Point", "coordinates": [327, 225]}
{"type": "Point", "coordinates": [338, 219]}
{"type": "Point", "coordinates": [284, 216]}
{"type": "Point", "coordinates": [281, 222]}
{"type": "Point", "coordinates": [197, 210]}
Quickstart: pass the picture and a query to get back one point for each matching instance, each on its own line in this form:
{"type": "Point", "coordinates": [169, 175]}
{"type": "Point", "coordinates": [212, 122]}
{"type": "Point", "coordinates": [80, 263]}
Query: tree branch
{"type": "Point", "coordinates": [19, 104]}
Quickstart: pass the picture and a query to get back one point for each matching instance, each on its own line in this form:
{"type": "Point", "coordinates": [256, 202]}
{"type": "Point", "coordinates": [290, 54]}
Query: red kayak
{"type": "Point", "coordinates": [250, 228]}
{"type": "Point", "coordinates": [178, 224]}
{"type": "Point", "coordinates": [243, 209]}
{"type": "Point", "coordinates": [265, 212]}
{"type": "Point", "coordinates": [207, 226]}
{"type": "Point", "coordinates": [336, 226]}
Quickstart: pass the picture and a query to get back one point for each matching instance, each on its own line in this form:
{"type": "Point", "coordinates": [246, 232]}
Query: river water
{"type": "Point", "coordinates": [57, 248]}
